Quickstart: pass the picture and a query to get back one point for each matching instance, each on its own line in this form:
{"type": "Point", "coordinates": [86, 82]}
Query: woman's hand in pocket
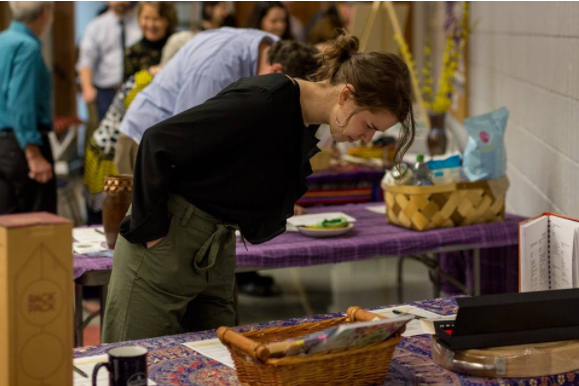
{"type": "Point", "coordinates": [151, 244]}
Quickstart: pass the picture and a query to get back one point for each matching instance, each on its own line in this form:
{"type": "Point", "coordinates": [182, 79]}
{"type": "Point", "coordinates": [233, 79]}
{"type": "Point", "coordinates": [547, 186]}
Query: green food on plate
{"type": "Point", "coordinates": [335, 223]}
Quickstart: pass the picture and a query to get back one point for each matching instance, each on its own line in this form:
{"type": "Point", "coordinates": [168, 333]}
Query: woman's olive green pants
{"type": "Point", "coordinates": [183, 283]}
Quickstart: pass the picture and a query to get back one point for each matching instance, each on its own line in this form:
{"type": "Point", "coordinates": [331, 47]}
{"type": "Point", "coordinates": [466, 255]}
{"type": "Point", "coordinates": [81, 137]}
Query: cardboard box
{"type": "Point", "coordinates": [36, 300]}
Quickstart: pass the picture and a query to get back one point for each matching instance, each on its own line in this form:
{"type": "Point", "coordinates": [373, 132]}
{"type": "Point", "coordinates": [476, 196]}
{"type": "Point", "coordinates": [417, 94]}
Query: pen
{"type": "Point", "coordinates": [398, 312]}
{"type": "Point", "coordinates": [79, 371]}
{"type": "Point", "coordinates": [99, 231]}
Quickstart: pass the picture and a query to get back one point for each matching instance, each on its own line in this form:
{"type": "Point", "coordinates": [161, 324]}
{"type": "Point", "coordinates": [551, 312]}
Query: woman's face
{"type": "Point", "coordinates": [219, 13]}
{"type": "Point", "coordinates": [362, 125]}
{"type": "Point", "coordinates": [274, 21]}
{"type": "Point", "coordinates": [153, 25]}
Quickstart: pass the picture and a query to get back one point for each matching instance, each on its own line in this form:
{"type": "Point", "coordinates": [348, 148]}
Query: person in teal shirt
{"type": "Point", "coordinates": [27, 180]}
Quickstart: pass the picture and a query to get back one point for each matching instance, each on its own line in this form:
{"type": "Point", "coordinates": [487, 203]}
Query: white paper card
{"type": "Point", "coordinates": [88, 247]}
{"type": "Point", "coordinates": [212, 348]}
{"type": "Point", "coordinates": [381, 209]}
{"type": "Point", "coordinates": [87, 364]}
{"type": "Point", "coordinates": [313, 219]}
{"type": "Point", "coordinates": [89, 235]}
{"type": "Point", "coordinates": [413, 327]}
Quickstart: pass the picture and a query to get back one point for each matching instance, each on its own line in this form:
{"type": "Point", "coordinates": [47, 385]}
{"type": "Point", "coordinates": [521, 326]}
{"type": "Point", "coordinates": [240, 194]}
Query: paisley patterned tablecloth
{"type": "Point", "coordinates": [171, 363]}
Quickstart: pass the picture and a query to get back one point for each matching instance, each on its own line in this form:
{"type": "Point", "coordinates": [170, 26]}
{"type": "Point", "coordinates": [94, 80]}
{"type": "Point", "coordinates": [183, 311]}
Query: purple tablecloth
{"type": "Point", "coordinates": [171, 363]}
{"type": "Point", "coordinates": [499, 270]}
{"type": "Point", "coordinates": [373, 236]}
{"type": "Point", "coordinates": [84, 263]}
{"type": "Point", "coordinates": [349, 176]}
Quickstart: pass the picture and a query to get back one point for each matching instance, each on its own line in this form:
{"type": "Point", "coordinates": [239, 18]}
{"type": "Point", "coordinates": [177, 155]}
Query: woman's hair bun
{"type": "Point", "coordinates": [347, 44]}
{"type": "Point", "coordinates": [335, 53]}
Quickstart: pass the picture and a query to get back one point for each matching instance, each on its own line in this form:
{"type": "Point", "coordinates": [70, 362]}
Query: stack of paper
{"type": "Point", "coordinates": [89, 240]}
{"type": "Point", "coordinates": [212, 348]}
{"type": "Point", "coordinates": [414, 327]}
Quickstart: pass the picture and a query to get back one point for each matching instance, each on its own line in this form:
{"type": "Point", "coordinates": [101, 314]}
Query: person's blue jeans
{"type": "Point", "coordinates": [104, 98]}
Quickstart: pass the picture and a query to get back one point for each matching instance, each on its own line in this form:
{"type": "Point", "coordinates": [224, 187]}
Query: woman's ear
{"type": "Point", "coordinates": [347, 92]}
{"type": "Point", "coordinates": [277, 68]}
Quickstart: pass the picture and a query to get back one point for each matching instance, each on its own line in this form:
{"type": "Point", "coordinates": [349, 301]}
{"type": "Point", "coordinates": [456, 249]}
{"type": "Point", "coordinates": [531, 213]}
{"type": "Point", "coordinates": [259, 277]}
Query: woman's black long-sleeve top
{"type": "Point", "coordinates": [241, 156]}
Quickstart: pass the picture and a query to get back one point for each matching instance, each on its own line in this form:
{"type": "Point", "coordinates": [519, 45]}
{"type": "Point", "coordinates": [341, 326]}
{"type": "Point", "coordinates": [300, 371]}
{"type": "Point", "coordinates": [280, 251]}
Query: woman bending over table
{"type": "Point", "coordinates": [238, 161]}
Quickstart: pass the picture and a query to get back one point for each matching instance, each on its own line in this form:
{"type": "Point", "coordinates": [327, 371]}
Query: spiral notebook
{"type": "Point", "coordinates": [548, 253]}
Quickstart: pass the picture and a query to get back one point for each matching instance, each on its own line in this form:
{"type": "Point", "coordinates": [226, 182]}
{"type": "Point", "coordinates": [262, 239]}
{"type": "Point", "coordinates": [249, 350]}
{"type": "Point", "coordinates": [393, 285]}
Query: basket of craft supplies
{"type": "Point", "coordinates": [454, 189]}
{"type": "Point", "coordinates": [447, 205]}
{"type": "Point", "coordinates": [358, 365]}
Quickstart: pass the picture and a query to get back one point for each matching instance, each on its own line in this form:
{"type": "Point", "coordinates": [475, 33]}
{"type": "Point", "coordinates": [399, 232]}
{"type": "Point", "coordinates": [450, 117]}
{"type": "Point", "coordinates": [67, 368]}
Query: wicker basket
{"type": "Point", "coordinates": [437, 206]}
{"type": "Point", "coordinates": [361, 365]}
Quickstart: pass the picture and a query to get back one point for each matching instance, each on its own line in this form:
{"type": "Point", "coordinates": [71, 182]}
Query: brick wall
{"type": "Point", "coordinates": [525, 56]}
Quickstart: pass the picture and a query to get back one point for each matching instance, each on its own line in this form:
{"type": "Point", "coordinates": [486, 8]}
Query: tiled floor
{"type": "Point", "coordinates": [328, 288]}
{"type": "Point", "coordinates": [334, 288]}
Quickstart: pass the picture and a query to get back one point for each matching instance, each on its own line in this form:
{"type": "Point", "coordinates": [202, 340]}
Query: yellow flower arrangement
{"type": "Point", "coordinates": [427, 87]}
{"type": "Point", "coordinates": [454, 46]}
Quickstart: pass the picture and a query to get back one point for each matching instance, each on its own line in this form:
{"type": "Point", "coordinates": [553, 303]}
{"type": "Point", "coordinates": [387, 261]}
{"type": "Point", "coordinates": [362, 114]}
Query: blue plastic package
{"type": "Point", "coordinates": [485, 155]}
{"type": "Point", "coordinates": [445, 170]}
{"type": "Point", "coordinates": [452, 161]}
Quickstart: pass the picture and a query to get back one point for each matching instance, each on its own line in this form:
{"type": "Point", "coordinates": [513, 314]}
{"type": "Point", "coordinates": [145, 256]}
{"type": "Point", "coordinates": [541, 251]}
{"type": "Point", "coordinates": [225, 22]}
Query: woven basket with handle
{"type": "Point", "coordinates": [359, 365]}
{"type": "Point", "coordinates": [438, 206]}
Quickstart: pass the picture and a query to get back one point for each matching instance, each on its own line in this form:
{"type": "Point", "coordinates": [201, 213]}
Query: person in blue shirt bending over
{"type": "Point", "coordinates": [211, 61]}
{"type": "Point", "coordinates": [27, 182]}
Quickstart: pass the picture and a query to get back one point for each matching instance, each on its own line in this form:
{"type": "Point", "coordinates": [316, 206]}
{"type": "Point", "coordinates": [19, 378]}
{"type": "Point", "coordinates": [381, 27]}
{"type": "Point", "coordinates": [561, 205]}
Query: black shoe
{"type": "Point", "coordinates": [252, 283]}
{"type": "Point", "coordinates": [252, 277]}
{"type": "Point", "coordinates": [254, 289]}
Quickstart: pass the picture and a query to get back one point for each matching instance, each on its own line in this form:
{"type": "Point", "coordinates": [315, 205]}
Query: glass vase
{"type": "Point", "coordinates": [437, 139]}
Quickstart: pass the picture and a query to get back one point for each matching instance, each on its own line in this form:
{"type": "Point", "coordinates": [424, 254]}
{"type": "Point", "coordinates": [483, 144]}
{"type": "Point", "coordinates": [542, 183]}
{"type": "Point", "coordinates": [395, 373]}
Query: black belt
{"type": "Point", "coordinates": [6, 133]}
{"type": "Point", "coordinates": [9, 133]}
{"type": "Point", "coordinates": [114, 88]}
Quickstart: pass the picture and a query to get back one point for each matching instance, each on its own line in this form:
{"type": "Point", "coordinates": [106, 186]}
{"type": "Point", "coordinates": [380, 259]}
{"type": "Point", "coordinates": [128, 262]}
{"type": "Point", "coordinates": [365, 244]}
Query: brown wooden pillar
{"type": "Point", "coordinates": [5, 15]}
{"type": "Point", "coordinates": [64, 58]}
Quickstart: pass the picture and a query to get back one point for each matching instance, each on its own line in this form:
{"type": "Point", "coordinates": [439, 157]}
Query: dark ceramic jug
{"type": "Point", "coordinates": [118, 194]}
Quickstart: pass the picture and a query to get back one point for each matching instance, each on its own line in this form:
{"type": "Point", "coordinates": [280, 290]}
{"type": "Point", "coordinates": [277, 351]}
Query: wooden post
{"type": "Point", "coordinates": [369, 25]}
{"type": "Point", "coordinates": [397, 30]}
{"type": "Point", "coordinates": [64, 57]}
{"type": "Point", "coordinates": [5, 15]}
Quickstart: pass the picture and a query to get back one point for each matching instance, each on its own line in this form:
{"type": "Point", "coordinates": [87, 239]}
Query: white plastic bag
{"type": "Point", "coordinates": [485, 153]}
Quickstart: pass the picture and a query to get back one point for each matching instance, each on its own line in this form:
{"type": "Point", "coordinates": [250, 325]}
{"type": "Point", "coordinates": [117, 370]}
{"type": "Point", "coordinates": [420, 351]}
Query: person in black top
{"type": "Point", "coordinates": [215, 14]}
{"type": "Point", "coordinates": [238, 161]}
{"type": "Point", "coordinates": [158, 20]}
{"type": "Point", "coordinates": [272, 17]}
